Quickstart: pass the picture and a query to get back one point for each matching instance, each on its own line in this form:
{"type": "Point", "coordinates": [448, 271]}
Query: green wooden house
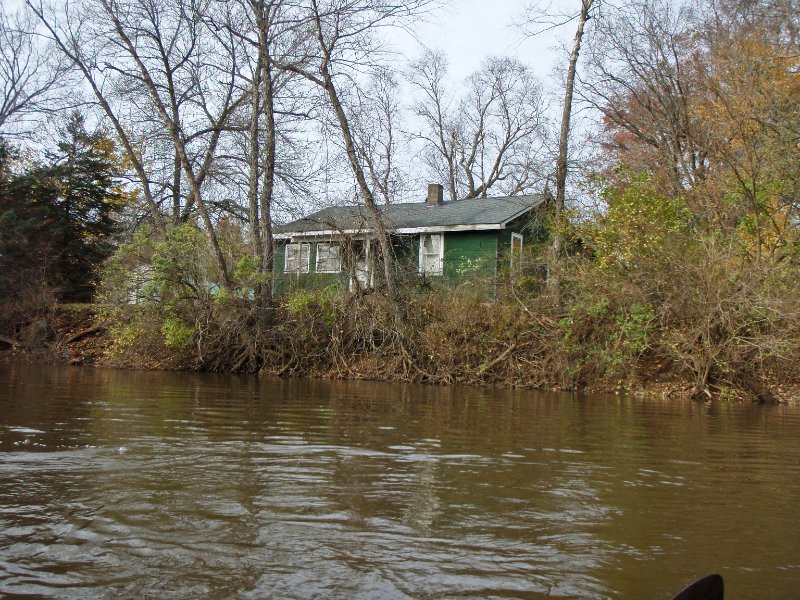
{"type": "Point", "coordinates": [434, 241]}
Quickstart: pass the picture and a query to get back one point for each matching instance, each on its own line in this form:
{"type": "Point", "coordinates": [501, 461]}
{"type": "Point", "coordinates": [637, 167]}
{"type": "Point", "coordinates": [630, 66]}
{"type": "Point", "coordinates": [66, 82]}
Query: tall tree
{"type": "Point", "coordinates": [493, 138]}
{"type": "Point", "coordinates": [33, 78]}
{"type": "Point", "coordinates": [268, 31]}
{"type": "Point", "coordinates": [376, 118]}
{"type": "Point", "coordinates": [562, 162]}
{"type": "Point", "coordinates": [165, 66]}
{"type": "Point", "coordinates": [26, 245]}
{"type": "Point", "coordinates": [704, 102]}
{"type": "Point", "coordinates": [750, 85]}
{"type": "Point", "coordinates": [59, 216]}
{"type": "Point", "coordinates": [84, 170]}
{"type": "Point", "coordinates": [344, 34]}
{"type": "Point", "coordinates": [640, 77]}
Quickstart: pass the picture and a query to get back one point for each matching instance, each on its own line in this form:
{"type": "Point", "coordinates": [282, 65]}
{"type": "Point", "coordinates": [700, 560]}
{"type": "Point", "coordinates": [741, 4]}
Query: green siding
{"type": "Point", "coordinates": [470, 256]}
{"type": "Point", "coordinates": [284, 282]}
{"type": "Point", "coordinates": [475, 257]}
{"type": "Point", "coordinates": [532, 229]}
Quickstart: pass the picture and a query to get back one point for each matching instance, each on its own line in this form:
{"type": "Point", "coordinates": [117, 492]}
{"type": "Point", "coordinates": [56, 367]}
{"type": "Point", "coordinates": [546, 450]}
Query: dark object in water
{"type": "Point", "coordinates": [707, 588]}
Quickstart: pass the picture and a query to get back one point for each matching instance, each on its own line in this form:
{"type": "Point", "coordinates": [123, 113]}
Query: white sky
{"type": "Point", "coordinates": [470, 30]}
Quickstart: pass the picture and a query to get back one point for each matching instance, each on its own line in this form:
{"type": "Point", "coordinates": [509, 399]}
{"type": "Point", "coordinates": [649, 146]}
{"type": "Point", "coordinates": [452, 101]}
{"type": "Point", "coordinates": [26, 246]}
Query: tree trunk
{"type": "Point", "coordinates": [195, 181]}
{"type": "Point", "coordinates": [268, 184]}
{"type": "Point", "coordinates": [253, 165]}
{"type": "Point", "coordinates": [352, 157]}
{"type": "Point", "coordinates": [176, 190]}
{"type": "Point", "coordinates": [366, 192]}
{"type": "Point", "coordinates": [563, 148]}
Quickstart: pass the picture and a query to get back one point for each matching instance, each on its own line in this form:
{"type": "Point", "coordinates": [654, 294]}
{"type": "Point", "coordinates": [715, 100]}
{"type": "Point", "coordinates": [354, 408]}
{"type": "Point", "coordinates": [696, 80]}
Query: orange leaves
{"type": "Point", "coordinates": [750, 105]}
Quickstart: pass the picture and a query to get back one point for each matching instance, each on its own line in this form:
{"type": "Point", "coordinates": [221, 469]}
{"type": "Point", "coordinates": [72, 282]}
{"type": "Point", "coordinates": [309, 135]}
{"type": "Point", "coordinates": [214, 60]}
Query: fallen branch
{"type": "Point", "coordinates": [497, 360]}
{"type": "Point", "coordinates": [86, 332]}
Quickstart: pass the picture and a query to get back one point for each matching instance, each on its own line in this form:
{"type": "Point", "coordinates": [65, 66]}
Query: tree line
{"type": "Point", "coordinates": [223, 116]}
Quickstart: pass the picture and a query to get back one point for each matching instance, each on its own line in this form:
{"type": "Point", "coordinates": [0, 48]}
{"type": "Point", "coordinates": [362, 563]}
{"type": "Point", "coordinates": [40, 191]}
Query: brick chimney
{"type": "Point", "coordinates": [435, 194]}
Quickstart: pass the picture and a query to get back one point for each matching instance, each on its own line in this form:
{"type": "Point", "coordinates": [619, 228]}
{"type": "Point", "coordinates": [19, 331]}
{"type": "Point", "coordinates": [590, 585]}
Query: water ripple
{"type": "Point", "coordinates": [174, 485]}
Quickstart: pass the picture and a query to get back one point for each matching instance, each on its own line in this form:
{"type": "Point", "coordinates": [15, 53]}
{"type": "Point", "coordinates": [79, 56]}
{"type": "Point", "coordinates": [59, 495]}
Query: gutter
{"type": "Point", "coordinates": [332, 233]}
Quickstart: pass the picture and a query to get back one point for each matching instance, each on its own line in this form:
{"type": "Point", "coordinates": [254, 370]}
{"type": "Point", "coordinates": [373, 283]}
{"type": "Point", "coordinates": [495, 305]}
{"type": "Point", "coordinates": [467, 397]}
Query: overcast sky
{"type": "Point", "coordinates": [470, 30]}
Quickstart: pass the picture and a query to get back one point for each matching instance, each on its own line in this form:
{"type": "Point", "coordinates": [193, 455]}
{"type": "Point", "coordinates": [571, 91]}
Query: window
{"type": "Point", "coordinates": [328, 258]}
{"type": "Point", "coordinates": [297, 257]}
{"type": "Point", "coordinates": [431, 253]}
{"type": "Point", "coordinates": [516, 252]}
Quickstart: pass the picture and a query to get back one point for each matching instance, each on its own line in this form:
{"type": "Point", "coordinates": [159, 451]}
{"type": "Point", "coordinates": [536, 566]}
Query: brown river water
{"type": "Point", "coordinates": [168, 485]}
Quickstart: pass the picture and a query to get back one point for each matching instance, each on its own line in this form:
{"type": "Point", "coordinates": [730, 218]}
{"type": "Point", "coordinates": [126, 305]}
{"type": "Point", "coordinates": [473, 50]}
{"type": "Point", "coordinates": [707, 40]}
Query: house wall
{"type": "Point", "coordinates": [478, 257]}
{"type": "Point", "coordinates": [470, 256]}
{"type": "Point", "coordinates": [284, 282]}
{"type": "Point", "coordinates": [530, 227]}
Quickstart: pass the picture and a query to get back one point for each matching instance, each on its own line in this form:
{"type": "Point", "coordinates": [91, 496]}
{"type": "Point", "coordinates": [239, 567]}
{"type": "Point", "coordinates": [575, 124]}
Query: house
{"type": "Point", "coordinates": [434, 240]}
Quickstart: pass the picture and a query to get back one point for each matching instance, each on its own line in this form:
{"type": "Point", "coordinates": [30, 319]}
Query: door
{"type": "Point", "coordinates": [361, 266]}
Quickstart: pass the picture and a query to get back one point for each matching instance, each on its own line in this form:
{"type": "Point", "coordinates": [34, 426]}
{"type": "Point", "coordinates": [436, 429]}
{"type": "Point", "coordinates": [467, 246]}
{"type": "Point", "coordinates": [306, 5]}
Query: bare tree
{"type": "Point", "coordinates": [504, 129]}
{"type": "Point", "coordinates": [436, 110]}
{"type": "Point", "coordinates": [493, 138]}
{"type": "Point", "coordinates": [375, 116]}
{"type": "Point", "coordinates": [32, 77]}
{"type": "Point", "coordinates": [247, 29]}
{"type": "Point", "coordinates": [268, 32]}
{"type": "Point", "coordinates": [778, 20]}
{"type": "Point", "coordinates": [537, 19]}
{"type": "Point", "coordinates": [563, 138]}
{"type": "Point", "coordinates": [639, 78]}
{"type": "Point", "coordinates": [158, 61]}
{"type": "Point", "coordinates": [73, 41]}
{"type": "Point", "coordinates": [343, 30]}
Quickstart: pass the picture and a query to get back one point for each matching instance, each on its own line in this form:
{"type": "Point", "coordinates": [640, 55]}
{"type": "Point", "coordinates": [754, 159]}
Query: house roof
{"type": "Point", "coordinates": [474, 214]}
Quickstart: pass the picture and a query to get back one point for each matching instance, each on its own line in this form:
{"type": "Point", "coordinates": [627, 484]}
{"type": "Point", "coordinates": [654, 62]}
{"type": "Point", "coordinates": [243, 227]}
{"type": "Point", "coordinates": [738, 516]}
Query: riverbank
{"type": "Point", "coordinates": [490, 344]}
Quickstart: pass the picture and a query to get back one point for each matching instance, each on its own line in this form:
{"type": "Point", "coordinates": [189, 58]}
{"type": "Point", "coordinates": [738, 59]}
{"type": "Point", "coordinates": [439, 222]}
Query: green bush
{"type": "Point", "coordinates": [177, 334]}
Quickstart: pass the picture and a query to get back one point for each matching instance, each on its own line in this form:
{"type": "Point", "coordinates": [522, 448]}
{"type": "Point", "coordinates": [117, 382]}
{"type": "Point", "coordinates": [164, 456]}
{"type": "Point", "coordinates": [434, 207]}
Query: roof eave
{"type": "Point", "coordinates": [410, 230]}
{"type": "Point", "coordinates": [397, 231]}
{"type": "Point", "coordinates": [521, 212]}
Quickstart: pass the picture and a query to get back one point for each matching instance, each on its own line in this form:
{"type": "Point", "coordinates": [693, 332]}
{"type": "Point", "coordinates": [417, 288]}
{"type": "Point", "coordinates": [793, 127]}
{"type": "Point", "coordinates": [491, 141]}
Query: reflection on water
{"type": "Point", "coordinates": [116, 483]}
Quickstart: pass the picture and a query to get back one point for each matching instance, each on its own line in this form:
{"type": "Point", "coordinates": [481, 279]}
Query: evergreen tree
{"type": "Point", "coordinates": [57, 218]}
{"type": "Point", "coordinates": [26, 216]}
{"type": "Point", "coordinates": [83, 171]}
{"type": "Point", "coordinates": [26, 204]}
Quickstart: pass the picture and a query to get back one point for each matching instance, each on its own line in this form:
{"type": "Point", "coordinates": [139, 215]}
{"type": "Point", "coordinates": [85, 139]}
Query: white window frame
{"type": "Point", "coordinates": [515, 257]}
{"type": "Point", "coordinates": [303, 268]}
{"type": "Point", "coordinates": [329, 245]}
{"type": "Point", "coordinates": [423, 254]}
